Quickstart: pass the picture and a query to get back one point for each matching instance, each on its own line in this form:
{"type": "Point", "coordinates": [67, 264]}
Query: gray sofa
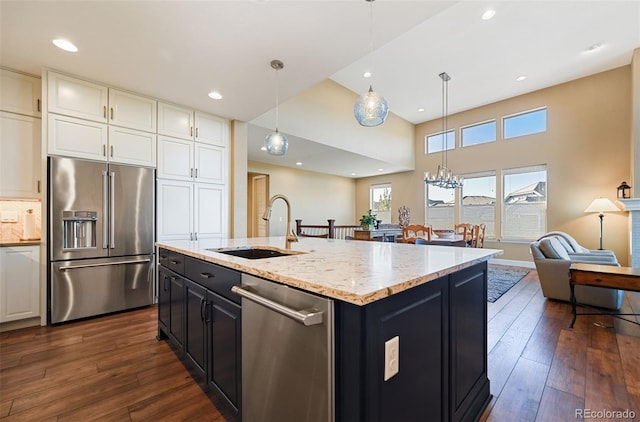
{"type": "Point", "coordinates": [554, 253]}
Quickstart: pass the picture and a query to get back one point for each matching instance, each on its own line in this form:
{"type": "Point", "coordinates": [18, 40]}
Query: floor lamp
{"type": "Point", "coordinates": [601, 205]}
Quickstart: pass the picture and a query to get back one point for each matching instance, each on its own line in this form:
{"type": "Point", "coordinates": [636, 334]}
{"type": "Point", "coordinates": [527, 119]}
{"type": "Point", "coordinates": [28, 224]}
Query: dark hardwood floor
{"type": "Point", "coordinates": [113, 368]}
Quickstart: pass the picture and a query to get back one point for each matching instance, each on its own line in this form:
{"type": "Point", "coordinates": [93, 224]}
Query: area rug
{"type": "Point", "coordinates": [500, 281]}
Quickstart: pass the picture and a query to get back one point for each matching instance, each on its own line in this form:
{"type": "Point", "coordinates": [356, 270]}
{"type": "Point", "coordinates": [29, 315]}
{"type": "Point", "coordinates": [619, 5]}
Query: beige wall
{"type": "Point", "coordinates": [586, 149]}
{"type": "Point", "coordinates": [314, 197]}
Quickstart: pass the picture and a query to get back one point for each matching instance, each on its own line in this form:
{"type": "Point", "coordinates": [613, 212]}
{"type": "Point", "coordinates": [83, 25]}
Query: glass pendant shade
{"type": "Point", "coordinates": [276, 143]}
{"type": "Point", "coordinates": [371, 109]}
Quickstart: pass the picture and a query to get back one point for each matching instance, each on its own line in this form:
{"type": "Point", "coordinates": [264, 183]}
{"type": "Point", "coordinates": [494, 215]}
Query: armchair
{"type": "Point", "coordinates": [552, 259]}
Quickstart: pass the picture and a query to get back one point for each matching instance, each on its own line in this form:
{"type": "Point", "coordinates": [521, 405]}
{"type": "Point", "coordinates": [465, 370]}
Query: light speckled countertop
{"type": "Point", "coordinates": [357, 272]}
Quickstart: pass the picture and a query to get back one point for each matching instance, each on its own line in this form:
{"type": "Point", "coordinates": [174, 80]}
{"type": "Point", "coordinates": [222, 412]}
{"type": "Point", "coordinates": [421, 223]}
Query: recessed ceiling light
{"type": "Point", "coordinates": [521, 78]}
{"type": "Point", "coordinates": [263, 148]}
{"type": "Point", "coordinates": [367, 74]}
{"type": "Point", "coordinates": [298, 163]}
{"type": "Point", "coordinates": [593, 47]}
{"type": "Point", "coordinates": [215, 95]}
{"type": "Point", "coordinates": [488, 14]}
{"type": "Point", "coordinates": [420, 110]}
{"type": "Point", "coordinates": [65, 45]}
{"type": "Point", "coordinates": [380, 169]}
{"type": "Point", "coordinates": [353, 174]}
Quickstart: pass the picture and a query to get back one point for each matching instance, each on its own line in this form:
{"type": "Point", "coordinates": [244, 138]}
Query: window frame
{"type": "Point", "coordinates": [523, 113]}
{"type": "Point", "coordinates": [495, 132]}
{"type": "Point", "coordinates": [385, 185]}
{"type": "Point", "coordinates": [439, 133]}
{"type": "Point", "coordinates": [503, 213]}
{"type": "Point", "coordinates": [491, 225]}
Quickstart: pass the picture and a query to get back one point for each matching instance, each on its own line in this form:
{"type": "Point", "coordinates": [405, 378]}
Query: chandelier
{"type": "Point", "coordinates": [444, 177]}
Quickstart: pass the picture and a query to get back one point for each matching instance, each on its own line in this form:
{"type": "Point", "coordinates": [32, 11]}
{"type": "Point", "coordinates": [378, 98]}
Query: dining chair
{"type": "Point", "coordinates": [420, 241]}
{"type": "Point", "coordinates": [478, 236]}
{"type": "Point", "coordinates": [414, 231]}
{"type": "Point", "coordinates": [465, 230]}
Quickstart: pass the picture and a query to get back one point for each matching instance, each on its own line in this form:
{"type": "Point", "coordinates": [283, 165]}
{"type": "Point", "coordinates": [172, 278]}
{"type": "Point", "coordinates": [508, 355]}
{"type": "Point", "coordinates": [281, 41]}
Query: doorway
{"type": "Point", "coordinates": [258, 196]}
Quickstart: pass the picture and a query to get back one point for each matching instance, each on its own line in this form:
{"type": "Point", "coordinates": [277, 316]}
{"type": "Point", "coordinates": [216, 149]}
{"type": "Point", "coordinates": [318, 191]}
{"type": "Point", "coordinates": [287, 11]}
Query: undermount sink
{"type": "Point", "coordinates": [255, 252]}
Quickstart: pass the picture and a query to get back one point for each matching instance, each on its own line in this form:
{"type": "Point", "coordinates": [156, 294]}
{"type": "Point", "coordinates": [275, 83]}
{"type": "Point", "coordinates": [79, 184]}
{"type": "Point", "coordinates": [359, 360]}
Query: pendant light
{"type": "Point", "coordinates": [275, 142]}
{"type": "Point", "coordinates": [371, 109]}
{"type": "Point", "coordinates": [444, 177]}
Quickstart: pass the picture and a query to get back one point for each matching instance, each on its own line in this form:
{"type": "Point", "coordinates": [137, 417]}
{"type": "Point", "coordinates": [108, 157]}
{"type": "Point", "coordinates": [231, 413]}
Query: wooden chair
{"type": "Point", "coordinates": [478, 236]}
{"type": "Point", "coordinates": [413, 231]}
{"type": "Point", "coordinates": [465, 230]}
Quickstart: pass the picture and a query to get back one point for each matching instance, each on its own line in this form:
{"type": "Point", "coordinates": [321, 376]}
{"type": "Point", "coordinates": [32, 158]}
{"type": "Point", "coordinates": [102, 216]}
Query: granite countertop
{"type": "Point", "coordinates": [18, 242]}
{"type": "Point", "coordinates": [357, 272]}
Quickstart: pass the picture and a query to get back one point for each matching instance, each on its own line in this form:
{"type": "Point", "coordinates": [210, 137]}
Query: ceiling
{"type": "Point", "coordinates": [181, 50]}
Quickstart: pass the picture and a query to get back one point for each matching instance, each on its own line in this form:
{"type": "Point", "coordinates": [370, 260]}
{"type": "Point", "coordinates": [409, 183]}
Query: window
{"type": "Point", "coordinates": [439, 209]}
{"type": "Point", "coordinates": [380, 201]}
{"type": "Point", "coordinates": [480, 133]}
{"type": "Point", "coordinates": [524, 214]}
{"type": "Point", "coordinates": [479, 201]}
{"type": "Point", "coordinates": [525, 123]}
{"type": "Point", "coordinates": [434, 142]}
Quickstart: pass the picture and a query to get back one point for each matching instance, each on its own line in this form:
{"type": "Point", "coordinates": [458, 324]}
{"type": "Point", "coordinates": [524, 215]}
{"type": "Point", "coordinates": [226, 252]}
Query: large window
{"type": "Point", "coordinates": [434, 143]}
{"type": "Point", "coordinates": [380, 201]}
{"type": "Point", "coordinates": [480, 133]}
{"type": "Point", "coordinates": [524, 213]}
{"type": "Point", "coordinates": [524, 123]}
{"type": "Point", "coordinates": [440, 206]}
{"type": "Point", "coordinates": [479, 201]}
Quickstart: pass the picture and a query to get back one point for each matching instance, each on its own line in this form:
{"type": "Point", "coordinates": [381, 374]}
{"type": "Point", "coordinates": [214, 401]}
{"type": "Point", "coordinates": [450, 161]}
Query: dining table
{"type": "Point", "coordinates": [455, 240]}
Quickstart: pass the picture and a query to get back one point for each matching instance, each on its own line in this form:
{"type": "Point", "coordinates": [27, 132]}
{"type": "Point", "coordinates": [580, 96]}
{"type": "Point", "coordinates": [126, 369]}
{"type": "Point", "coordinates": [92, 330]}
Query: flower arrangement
{"type": "Point", "coordinates": [368, 221]}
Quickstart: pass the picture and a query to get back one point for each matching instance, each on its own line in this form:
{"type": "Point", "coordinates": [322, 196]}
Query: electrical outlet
{"type": "Point", "coordinates": [391, 357]}
{"type": "Point", "coordinates": [9, 217]}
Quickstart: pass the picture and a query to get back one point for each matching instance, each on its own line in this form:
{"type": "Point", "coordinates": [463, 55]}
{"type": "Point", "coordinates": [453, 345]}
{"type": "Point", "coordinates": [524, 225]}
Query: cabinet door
{"type": "Point", "coordinates": [128, 146]}
{"type": "Point", "coordinates": [175, 121]}
{"type": "Point", "coordinates": [194, 343]}
{"type": "Point", "coordinates": [76, 138]}
{"type": "Point", "coordinates": [164, 299]}
{"type": "Point", "coordinates": [77, 98]}
{"type": "Point", "coordinates": [210, 211]}
{"type": "Point", "coordinates": [174, 209]}
{"type": "Point", "coordinates": [210, 129]}
{"type": "Point", "coordinates": [20, 93]}
{"type": "Point", "coordinates": [176, 320]}
{"type": "Point", "coordinates": [19, 156]}
{"type": "Point", "coordinates": [224, 371]}
{"type": "Point", "coordinates": [19, 282]}
{"type": "Point", "coordinates": [210, 164]}
{"type": "Point", "coordinates": [175, 158]}
{"type": "Point", "coordinates": [132, 111]}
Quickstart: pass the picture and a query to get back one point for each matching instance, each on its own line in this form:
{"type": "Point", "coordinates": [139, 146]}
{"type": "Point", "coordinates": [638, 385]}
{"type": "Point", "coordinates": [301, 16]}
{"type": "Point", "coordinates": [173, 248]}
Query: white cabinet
{"type": "Point", "coordinates": [19, 156]}
{"type": "Point", "coordinates": [181, 159]}
{"type": "Point", "coordinates": [71, 137]}
{"type": "Point", "coordinates": [134, 147]}
{"type": "Point", "coordinates": [20, 93]}
{"type": "Point", "coordinates": [193, 211]}
{"type": "Point", "coordinates": [184, 123]}
{"type": "Point", "coordinates": [76, 97]}
{"type": "Point", "coordinates": [19, 282]}
{"type": "Point", "coordinates": [132, 111]}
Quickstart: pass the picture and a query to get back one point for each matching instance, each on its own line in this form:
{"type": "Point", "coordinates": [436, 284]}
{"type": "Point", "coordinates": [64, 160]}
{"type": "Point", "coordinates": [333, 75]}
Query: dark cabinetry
{"type": "Point", "coordinates": [442, 331]}
{"type": "Point", "coordinates": [209, 315]}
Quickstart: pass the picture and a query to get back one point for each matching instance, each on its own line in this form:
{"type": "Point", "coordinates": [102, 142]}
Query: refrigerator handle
{"type": "Point", "coordinates": [112, 216]}
{"type": "Point", "coordinates": [105, 211]}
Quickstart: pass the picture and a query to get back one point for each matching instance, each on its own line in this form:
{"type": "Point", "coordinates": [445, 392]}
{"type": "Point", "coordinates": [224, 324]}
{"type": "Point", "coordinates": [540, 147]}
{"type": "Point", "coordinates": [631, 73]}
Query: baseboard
{"type": "Point", "coordinates": [22, 323]}
{"type": "Point", "coordinates": [513, 263]}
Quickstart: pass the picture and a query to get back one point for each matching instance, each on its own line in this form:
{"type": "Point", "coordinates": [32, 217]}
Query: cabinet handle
{"type": "Point", "coordinates": [38, 106]}
{"type": "Point", "coordinates": [111, 148]}
{"type": "Point", "coordinates": [111, 112]}
{"type": "Point", "coordinates": [196, 132]}
{"type": "Point", "coordinates": [196, 173]}
{"type": "Point", "coordinates": [174, 262]}
{"type": "Point", "coordinates": [165, 286]}
{"type": "Point", "coordinates": [104, 150]}
{"type": "Point", "coordinates": [104, 111]}
{"type": "Point", "coordinates": [191, 130]}
{"type": "Point", "coordinates": [202, 306]}
{"type": "Point", "coordinates": [191, 172]}
{"type": "Point", "coordinates": [208, 315]}
{"type": "Point", "coordinates": [207, 275]}
{"type": "Point", "coordinates": [195, 236]}
{"type": "Point", "coordinates": [38, 186]}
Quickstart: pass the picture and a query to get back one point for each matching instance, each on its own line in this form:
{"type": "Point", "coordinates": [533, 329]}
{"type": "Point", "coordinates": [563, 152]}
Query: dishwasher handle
{"type": "Point", "coordinates": [305, 317]}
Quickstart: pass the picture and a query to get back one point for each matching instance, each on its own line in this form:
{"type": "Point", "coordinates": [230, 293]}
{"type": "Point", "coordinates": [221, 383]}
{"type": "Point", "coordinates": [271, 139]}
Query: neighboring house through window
{"type": "Point", "coordinates": [380, 201]}
{"type": "Point", "coordinates": [479, 201]}
{"type": "Point", "coordinates": [524, 214]}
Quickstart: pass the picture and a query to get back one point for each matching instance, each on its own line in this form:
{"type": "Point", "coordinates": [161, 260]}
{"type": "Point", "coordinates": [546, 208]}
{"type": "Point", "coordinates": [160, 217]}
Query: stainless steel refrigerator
{"type": "Point", "coordinates": [101, 238]}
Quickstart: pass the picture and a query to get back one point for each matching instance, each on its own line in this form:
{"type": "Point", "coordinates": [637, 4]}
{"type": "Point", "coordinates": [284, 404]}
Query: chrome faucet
{"type": "Point", "coordinates": [291, 236]}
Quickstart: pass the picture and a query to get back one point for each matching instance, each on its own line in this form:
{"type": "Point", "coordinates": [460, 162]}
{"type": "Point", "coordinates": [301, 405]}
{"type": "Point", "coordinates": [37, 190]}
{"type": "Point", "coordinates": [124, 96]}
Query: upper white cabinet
{"type": "Point", "coordinates": [184, 123]}
{"type": "Point", "coordinates": [19, 282]}
{"type": "Point", "coordinates": [132, 146]}
{"type": "Point", "coordinates": [20, 93]}
{"type": "Point", "coordinates": [132, 111]}
{"type": "Point", "coordinates": [77, 98]}
{"type": "Point", "coordinates": [71, 137]}
{"type": "Point", "coordinates": [181, 159]}
{"type": "Point", "coordinates": [19, 156]}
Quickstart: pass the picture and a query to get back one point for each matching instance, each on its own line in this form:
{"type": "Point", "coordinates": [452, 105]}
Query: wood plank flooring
{"type": "Point", "coordinates": [113, 368]}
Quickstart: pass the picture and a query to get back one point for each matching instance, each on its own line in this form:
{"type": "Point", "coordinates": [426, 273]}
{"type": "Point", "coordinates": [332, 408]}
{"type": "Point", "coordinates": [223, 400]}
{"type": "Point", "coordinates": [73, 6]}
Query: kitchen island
{"type": "Point", "coordinates": [433, 298]}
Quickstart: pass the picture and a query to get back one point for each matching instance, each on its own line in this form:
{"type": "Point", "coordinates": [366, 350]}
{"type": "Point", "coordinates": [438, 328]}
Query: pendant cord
{"type": "Point", "coordinates": [277, 97]}
{"type": "Point", "coordinates": [444, 127]}
{"type": "Point", "coordinates": [370, 26]}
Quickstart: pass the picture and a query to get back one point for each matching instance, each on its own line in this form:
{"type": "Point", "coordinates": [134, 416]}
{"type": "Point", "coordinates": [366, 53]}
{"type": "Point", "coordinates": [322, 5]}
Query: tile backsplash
{"type": "Point", "coordinates": [13, 215]}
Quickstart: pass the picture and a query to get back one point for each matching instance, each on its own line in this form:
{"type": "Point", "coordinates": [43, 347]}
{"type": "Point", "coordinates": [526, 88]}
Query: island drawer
{"type": "Point", "coordinates": [213, 277]}
{"type": "Point", "coordinates": [171, 260]}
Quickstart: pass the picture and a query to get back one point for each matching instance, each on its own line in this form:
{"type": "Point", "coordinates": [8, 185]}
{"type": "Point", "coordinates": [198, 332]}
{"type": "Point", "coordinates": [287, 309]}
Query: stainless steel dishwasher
{"type": "Point", "coordinates": [287, 353]}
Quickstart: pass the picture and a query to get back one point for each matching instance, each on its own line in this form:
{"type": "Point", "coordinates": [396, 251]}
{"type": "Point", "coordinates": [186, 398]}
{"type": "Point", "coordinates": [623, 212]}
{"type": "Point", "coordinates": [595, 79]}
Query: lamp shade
{"type": "Point", "coordinates": [276, 143]}
{"type": "Point", "coordinates": [371, 109]}
{"type": "Point", "coordinates": [602, 205]}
